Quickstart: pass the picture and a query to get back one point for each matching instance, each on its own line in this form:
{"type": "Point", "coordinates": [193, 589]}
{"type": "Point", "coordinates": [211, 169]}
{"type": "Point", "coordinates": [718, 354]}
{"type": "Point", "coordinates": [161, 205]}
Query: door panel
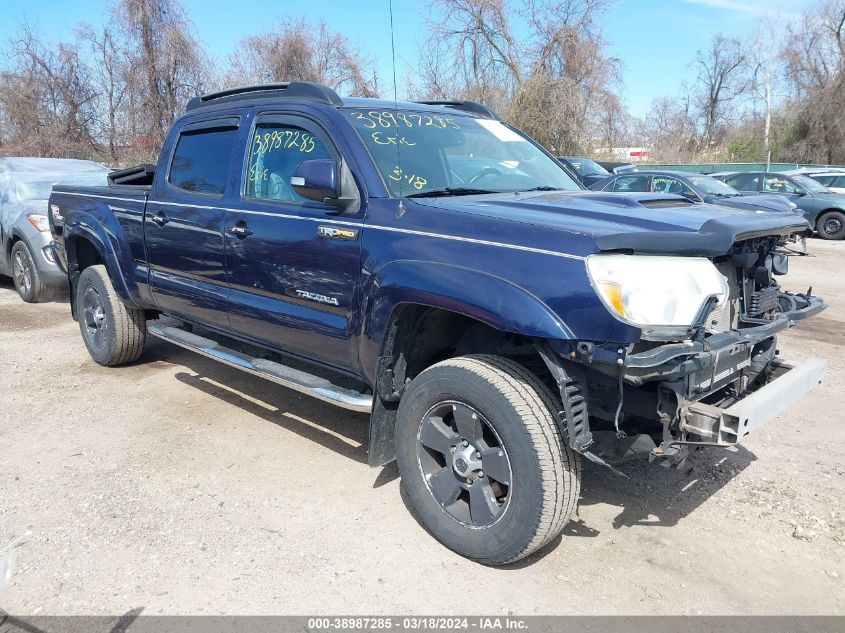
{"type": "Point", "coordinates": [186, 258]}
{"type": "Point", "coordinates": [290, 288]}
{"type": "Point", "coordinates": [183, 227]}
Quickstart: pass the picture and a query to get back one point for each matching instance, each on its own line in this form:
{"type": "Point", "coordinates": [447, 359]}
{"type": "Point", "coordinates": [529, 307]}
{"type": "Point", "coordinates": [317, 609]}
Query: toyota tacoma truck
{"type": "Point", "coordinates": [432, 267]}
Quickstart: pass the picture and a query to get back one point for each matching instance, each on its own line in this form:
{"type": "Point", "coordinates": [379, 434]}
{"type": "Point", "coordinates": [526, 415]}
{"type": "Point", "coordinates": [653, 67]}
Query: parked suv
{"type": "Point", "coordinates": [499, 321]}
{"type": "Point", "coordinates": [823, 208]}
{"type": "Point", "coordinates": [25, 254]}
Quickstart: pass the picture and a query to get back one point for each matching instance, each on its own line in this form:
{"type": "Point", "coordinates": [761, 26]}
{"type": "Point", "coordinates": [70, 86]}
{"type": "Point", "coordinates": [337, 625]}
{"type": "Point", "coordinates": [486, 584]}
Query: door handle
{"type": "Point", "coordinates": [240, 229]}
{"type": "Point", "coordinates": [160, 218]}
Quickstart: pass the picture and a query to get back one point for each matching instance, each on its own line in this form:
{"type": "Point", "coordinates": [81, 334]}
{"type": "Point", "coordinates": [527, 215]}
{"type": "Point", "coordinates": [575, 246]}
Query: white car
{"type": "Point", "coordinates": [833, 179]}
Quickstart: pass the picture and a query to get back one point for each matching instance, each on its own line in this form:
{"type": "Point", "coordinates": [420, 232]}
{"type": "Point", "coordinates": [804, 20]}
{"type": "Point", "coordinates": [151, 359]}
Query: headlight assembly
{"type": "Point", "coordinates": [662, 295]}
{"type": "Point", "coordinates": [39, 221]}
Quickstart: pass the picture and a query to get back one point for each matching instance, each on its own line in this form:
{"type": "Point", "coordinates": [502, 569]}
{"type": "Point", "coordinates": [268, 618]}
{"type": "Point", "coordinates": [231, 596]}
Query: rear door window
{"type": "Point", "coordinates": [744, 182]}
{"type": "Point", "coordinates": [778, 184]}
{"type": "Point", "coordinates": [202, 161]}
{"type": "Point", "coordinates": [665, 184]}
{"type": "Point", "coordinates": [638, 183]}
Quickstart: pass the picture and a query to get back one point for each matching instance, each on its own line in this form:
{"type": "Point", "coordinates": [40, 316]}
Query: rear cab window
{"type": "Point", "coordinates": [202, 160]}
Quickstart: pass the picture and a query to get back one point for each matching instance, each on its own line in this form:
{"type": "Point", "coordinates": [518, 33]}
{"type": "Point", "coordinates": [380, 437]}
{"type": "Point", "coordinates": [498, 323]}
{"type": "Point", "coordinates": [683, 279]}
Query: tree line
{"type": "Point", "coordinates": [111, 92]}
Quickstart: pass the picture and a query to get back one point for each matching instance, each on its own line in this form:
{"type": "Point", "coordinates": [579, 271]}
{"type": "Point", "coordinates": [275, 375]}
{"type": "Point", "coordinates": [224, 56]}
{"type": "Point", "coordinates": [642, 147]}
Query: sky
{"type": "Point", "coordinates": [656, 40]}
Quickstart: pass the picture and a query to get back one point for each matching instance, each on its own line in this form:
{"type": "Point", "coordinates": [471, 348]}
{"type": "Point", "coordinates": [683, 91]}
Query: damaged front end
{"type": "Point", "coordinates": [709, 384]}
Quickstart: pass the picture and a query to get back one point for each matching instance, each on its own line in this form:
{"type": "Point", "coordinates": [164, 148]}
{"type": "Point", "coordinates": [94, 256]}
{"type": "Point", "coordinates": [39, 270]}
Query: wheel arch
{"type": "Point", "coordinates": [86, 247]}
{"type": "Point", "coordinates": [411, 326]}
{"type": "Point", "coordinates": [476, 295]}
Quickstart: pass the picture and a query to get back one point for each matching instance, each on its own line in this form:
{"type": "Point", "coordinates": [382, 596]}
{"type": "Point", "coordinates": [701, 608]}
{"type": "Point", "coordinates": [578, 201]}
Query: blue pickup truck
{"type": "Point", "coordinates": [431, 266]}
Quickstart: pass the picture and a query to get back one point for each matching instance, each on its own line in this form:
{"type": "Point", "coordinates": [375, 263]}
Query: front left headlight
{"type": "Point", "coordinates": [656, 293]}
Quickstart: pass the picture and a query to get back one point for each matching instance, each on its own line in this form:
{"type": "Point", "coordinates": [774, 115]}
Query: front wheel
{"type": "Point", "coordinates": [831, 225]}
{"type": "Point", "coordinates": [113, 332]}
{"type": "Point", "coordinates": [25, 275]}
{"type": "Point", "coordinates": [482, 458]}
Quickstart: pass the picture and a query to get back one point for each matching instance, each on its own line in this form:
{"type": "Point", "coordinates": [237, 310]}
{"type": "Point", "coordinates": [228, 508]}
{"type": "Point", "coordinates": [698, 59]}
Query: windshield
{"type": "Point", "coordinates": [587, 167]}
{"type": "Point", "coordinates": [810, 185]}
{"type": "Point", "coordinates": [419, 152]}
{"type": "Point", "coordinates": [712, 187]}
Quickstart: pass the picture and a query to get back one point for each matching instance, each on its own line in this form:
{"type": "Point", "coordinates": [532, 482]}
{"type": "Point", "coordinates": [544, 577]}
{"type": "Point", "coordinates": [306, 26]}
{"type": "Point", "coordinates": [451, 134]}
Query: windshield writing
{"type": "Point", "coordinates": [417, 152]}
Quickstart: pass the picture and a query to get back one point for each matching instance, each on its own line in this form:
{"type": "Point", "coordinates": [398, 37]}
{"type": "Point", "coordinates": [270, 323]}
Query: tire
{"type": "Point", "coordinates": [518, 438]}
{"type": "Point", "coordinates": [113, 332]}
{"type": "Point", "coordinates": [831, 225]}
{"type": "Point", "coordinates": [25, 276]}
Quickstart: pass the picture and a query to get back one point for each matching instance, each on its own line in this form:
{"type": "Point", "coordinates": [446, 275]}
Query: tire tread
{"type": "Point", "coordinates": [560, 466]}
{"type": "Point", "coordinates": [128, 324]}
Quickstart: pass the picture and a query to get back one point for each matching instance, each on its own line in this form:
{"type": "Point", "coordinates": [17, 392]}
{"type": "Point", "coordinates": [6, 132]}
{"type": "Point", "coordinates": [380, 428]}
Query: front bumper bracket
{"type": "Point", "coordinates": [729, 425]}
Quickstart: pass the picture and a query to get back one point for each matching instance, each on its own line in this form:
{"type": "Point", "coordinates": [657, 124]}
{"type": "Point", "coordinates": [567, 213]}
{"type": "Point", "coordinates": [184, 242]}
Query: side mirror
{"type": "Point", "coordinates": [317, 180]}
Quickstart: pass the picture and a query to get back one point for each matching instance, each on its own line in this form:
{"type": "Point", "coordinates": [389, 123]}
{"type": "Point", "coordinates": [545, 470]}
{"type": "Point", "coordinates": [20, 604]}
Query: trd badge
{"type": "Point", "coordinates": [335, 233]}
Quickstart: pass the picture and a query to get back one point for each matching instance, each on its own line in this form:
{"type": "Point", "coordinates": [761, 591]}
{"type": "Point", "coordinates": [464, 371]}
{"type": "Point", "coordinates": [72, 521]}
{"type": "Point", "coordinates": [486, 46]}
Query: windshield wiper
{"type": "Point", "coordinates": [541, 188]}
{"type": "Point", "coordinates": [450, 191]}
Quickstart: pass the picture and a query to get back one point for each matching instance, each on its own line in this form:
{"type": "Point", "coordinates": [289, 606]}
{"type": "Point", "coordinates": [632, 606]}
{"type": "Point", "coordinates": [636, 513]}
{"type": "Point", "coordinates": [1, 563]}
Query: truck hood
{"type": "Point", "coordinates": [647, 222]}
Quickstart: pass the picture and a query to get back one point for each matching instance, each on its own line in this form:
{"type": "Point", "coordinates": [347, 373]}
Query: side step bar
{"type": "Point", "coordinates": [289, 377]}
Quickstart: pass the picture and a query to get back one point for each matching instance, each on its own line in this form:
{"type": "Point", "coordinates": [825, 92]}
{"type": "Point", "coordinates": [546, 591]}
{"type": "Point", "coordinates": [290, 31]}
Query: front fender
{"type": "Point", "coordinates": [475, 294]}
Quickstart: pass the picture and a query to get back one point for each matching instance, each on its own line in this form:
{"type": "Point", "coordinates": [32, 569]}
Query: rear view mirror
{"type": "Point", "coordinates": [316, 180]}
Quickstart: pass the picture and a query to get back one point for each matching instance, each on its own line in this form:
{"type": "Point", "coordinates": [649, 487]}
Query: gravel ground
{"type": "Point", "coordinates": [177, 485]}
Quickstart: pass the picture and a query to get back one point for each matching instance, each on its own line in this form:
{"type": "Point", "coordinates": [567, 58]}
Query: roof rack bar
{"type": "Point", "coordinates": [292, 90]}
{"type": "Point", "coordinates": [467, 106]}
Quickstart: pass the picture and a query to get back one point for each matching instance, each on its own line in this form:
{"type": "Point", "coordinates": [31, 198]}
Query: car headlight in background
{"type": "Point", "coordinates": [653, 292]}
{"type": "Point", "coordinates": [39, 221]}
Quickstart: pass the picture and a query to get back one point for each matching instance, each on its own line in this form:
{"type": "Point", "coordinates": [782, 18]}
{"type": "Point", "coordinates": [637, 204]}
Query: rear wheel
{"type": "Point", "coordinates": [831, 225]}
{"type": "Point", "coordinates": [482, 458]}
{"type": "Point", "coordinates": [113, 332]}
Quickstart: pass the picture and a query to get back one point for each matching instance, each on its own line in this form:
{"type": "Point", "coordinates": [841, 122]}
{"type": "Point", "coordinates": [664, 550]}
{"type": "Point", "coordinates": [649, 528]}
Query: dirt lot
{"type": "Point", "coordinates": [177, 485]}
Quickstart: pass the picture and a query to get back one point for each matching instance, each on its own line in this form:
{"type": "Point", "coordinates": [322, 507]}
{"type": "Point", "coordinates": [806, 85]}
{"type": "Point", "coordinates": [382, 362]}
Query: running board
{"type": "Point", "coordinates": [289, 377]}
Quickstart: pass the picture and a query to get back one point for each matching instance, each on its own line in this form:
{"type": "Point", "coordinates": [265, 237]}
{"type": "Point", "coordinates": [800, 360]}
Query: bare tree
{"type": "Point", "coordinates": [541, 63]}
{"type": "Point", "coordinates": [47, 100]}
{"type": "Point", "coordinates": [721, 79]}
{"type": "Point", "coordinates": [763, 54]}
{"type": "Point", "coordinates": [670, 129]}
{"type": "Point", "coordinates": [300, 51]}
{"type": "Point", "coordinates": [108, 58]}
{"type": "Point", "coordinates": [815, 57]}
{"type": "Point", "coordinates": [166, 63]}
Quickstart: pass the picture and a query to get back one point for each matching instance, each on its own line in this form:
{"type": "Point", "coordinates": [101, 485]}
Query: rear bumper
{"type": "Point", "coordinates": [726, 426]}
